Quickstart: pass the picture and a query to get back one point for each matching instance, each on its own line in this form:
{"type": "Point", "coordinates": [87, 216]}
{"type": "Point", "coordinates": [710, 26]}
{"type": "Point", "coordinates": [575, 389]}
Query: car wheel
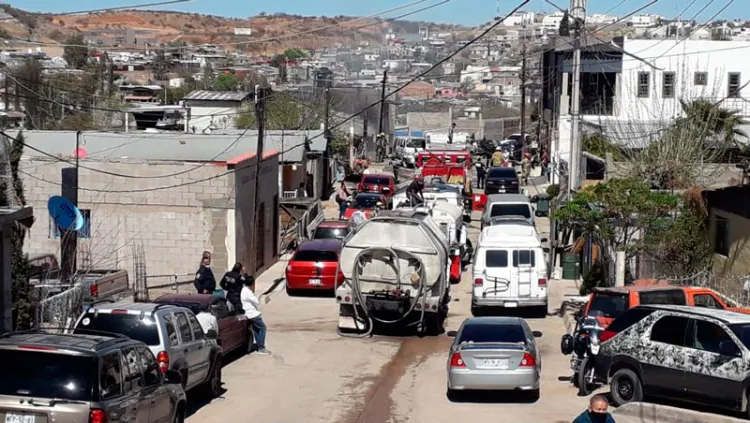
{"type": "Point", "coordinates": [534, 395]}
{"type": "Point", "coordinates": [626, 387]}
{"type": "Point", "coordinates": [179, 414]}
{"type": "Point", "coordinates": [476, 311]}
{"type": "Point", "coordinates": [212, 386]}
{"type": "Point", "coordinates": [585, 370]}
{"type": "Point", "coordinates": [453, 395]}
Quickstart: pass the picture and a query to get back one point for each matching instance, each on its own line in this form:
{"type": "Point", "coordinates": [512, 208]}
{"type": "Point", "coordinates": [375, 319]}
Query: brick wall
{"type": "Point", "coordinates": [174, 225]}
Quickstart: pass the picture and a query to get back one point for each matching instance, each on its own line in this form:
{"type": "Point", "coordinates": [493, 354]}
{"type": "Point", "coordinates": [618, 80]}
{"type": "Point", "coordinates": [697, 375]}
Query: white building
{"type": "Point", "coordinates": [645, 21]}
{"type": "Point", "coordinates": [473, 74]}
{"type": "Point", "coordinates": [551, 23]}
{"type": "Point", "coordinates": [519, 18]}
{"type": "Point", "coordinates": [600, 18]}
{"type": "Point", "coordinates": [631, 101]}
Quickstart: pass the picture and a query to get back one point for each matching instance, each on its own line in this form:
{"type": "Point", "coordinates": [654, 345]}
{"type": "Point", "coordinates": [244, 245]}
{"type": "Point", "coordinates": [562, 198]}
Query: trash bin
{"type": "Point", "coordinates": [542, 205]}
{"type": "Point", "coordinates": [571, 264]}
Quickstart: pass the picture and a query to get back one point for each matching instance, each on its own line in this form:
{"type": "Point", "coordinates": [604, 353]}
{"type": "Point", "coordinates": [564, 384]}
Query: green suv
{"type": "Point", "coordinates": [69, 378]}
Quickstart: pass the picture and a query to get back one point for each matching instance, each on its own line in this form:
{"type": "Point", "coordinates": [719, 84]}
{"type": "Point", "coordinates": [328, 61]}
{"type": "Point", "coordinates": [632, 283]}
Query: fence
{"type": "Point", "coordinates": [57, 311]}
{"type": "Point", "coordinates": [733, 289]}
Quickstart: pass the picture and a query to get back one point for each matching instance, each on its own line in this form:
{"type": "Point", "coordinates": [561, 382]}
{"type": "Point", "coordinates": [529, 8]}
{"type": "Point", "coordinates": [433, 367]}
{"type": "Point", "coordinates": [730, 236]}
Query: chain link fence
{"type": "Point", "coordinates": [56, 312]}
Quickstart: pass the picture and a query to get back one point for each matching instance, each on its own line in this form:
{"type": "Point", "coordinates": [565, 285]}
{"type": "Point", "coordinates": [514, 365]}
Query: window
{"type": "Point", "coordinates": [742, 331]}
{"type": "Point", "coordinates": [186, 334]}
{"type": "Point", "coordinates": [707, 300]}
{"type": "Point", "coordinates": [496, 258]}
{"type": "Point", "coordinates": [670, 330]}
{"type": "Point", "coordinates": [44, 374]}
{"type": "Point", "coordinates": [502, 172]}
{"type": "Point", "coordinates": [487, 332]}
{"type": "Point", "coordinates": [721, 236]}
{"type": "Point", "coordinates": [130, 325]}
{"type": "Point", "coordinates": [171, 332]}
{"type": "Point", "coordinates": [149, 366]}
{"type": "Point", "coordinates": [330, 233]}
{"type": "Point", "coordinates": [608, 305]}
{"type": "Point", "coordinates": [84, 232]}
{"type": "Point", "coordinates": [197, 329]}
{"type": "Point", "coordinates": [313, 256]}
{"type": "Point", "coordinates": [668, 296]}
{"type": "Point", "coordinates": [524, 258]}
{"type": "Point", "coordinates": [733, 90]}
{"type": "Point", "coordinates": [628, 319]}
{"type": "Point", "coordinates": [667, 85]}
{"type": "Point", "coordinates": [376, 180]}
{"type": "Point", "coordinates": [131, 370]}
{"type": "Point", "coordinates": [501, 210]}
{"type": "Point", "coordinates": [700, 78]}
{"type": "Point", "coordinates": [644, 84]}
{"type": "Point", "coordinates": [110, 378]}
{"type": "Point", "coordinates": [709, 337]}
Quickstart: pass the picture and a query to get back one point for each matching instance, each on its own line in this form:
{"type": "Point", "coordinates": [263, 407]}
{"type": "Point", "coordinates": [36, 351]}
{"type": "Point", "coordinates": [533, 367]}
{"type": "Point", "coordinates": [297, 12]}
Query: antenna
{"type": "Point", "coordinates": [497, 13]}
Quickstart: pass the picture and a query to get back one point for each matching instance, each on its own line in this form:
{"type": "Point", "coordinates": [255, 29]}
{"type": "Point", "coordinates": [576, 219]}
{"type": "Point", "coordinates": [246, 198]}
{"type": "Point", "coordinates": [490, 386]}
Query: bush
{"type": "Point", "coordinates": [553, 190]}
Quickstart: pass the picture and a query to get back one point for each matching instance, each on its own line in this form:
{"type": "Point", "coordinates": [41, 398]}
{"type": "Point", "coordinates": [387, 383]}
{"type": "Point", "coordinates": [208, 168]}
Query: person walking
{"type": "Point", "coordinates": [526, 168]}
{"type": "Point", "coordinates": [232, 284]}
{"type": "Point", "coordinates": [205, 282]}
{"type": "Point", "coordinates": [251, 306]}
{"type": "Point", "coordinates": [342, 195]}
{"type": "Point", "coordinates": [481, 174]}
{"type": "Point", "coordinates": [597, 412]}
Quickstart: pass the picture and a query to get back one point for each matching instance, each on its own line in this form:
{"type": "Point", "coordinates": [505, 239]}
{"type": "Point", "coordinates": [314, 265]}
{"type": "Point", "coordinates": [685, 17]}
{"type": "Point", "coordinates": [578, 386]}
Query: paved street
{"type": "Point", "coordinates": [316, 376]}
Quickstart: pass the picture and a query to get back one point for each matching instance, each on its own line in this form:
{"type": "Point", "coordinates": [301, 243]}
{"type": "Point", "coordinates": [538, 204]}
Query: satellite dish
{"type": "Point", "coordinates": [65, 214]}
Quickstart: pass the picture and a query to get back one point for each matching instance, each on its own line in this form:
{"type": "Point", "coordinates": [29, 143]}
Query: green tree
{"type": "Point", "coordinates": [599, 145]}
{"type": "Point", "coordinates": [76, 53]}
{"type": "Point", "coordinates": [30, 91]}
{"type": "Point", "coordinates": [720, 122]}
{"type": "Point", "coordinates": [208, 76]}
{"type": "Point", "coordinates": [160, 66]}
{"type": "Point", "coordinates": [225, 82]}
{"type": "Point", "coordinates": [283, 112]}
{"type": "Point", "coordinates": [294, 53]}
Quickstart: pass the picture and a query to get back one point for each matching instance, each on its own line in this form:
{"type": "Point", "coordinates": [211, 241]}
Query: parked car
{"type": "Point", "coordinates": [382, 183]}
{"type": "Point", "coordinates": [367, 201]}
{"type": "Point", "coordinates": [173, 335]}
{"type": "Point", "coordinates": [331, 229]}
{"type": "Point", "coordinates": [314, 266]}
{"type": "Point", "coordinates": [683, 353]}
{"type": "Point", "coordinates": [69, 378]}
{"type": "Point", "coordinates": [606, 304]}
{"type": "Point", "coordinates": [502, 180]}
{"type": "Point", "coordinates": [504, 207]}
{"type": "Point", "coordinates": [494, 353]}
{"type": "Point", "coordinates": [234, 334]}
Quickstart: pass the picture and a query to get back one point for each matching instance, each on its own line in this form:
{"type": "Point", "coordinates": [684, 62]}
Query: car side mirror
{"type": "Point", "coordinates": [452, 333]}
{"type": "Point", "coordinates": [536, 334]}
{"type": "Point", "coordinates": [211, 334]}
{"type": "Point", "coordinates": [544, 239]}
{"type": "Point", "coordinates": [729, 349]}
{"type": "Point", "coordinates": [173, 377]}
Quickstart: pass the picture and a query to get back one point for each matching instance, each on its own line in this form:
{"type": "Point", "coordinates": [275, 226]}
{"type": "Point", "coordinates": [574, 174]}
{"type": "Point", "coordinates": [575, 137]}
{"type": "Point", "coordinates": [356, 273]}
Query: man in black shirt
{"type": "Point", "coordinates": [414, 191]}
{"type": "Point", "coordinates": [205, 282]}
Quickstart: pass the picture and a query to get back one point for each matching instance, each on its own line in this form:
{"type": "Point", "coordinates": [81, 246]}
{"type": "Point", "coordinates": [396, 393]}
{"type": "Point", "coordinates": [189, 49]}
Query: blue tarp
{"type": "Point", "coordinates": [405, 133]}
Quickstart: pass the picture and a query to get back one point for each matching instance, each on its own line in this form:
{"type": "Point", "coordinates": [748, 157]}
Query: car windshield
{"type": "Point", "coordinates": [608, 305]}
{"type": "Point", "coordinates": [366, 201]}
{"type": "Point", "coordinates": [499, 210]}
{"type": "Point", "coordinates": [502, 172]}
{"type": "Point", "coordinates": [742, 331]}
{"type": "Point", "coordinates": [330, 233]}
{"type": "Point", "coordinates": [376, 180]}
{"type": "Point", "coordinates": [416, 143]}
{"type": "Point", "coordinates": [130, 325]}
{"type": "Point", "coordinates": [315, 256]}
{"type": "Point", "coordinates": [47, 375]}
{"type": "Point", "coordinates": [501, 332]}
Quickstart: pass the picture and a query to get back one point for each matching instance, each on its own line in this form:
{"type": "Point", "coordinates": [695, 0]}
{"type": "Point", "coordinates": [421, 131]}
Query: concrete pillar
{"type": "Point", "coordinates": [564, 97]}
{"type": "Point", "coordinates": [620, 268]}
{"type": "Point", "coordinates": [618, 91]}
{"type": "Point", "coordinates": [6, 293]}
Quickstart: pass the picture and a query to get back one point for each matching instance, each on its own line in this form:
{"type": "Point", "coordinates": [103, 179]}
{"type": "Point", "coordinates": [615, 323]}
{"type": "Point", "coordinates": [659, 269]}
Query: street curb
{"type": "Point", "coordinates": [657, 413]}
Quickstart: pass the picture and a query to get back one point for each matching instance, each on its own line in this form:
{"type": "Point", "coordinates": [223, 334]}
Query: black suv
{"type": "Point", "coordinates": [502, 180]}
{"type": "Point", "coordinates": [85, 378]}
{"type": "Point", "coordinates": [693, 354]}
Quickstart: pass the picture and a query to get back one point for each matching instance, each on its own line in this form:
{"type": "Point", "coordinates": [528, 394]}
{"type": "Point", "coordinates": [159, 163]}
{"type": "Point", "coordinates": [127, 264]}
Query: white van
{"type": "Point", "coordinates": [510, 269]}
{"type": "Point", "coordinates": [406, 149]}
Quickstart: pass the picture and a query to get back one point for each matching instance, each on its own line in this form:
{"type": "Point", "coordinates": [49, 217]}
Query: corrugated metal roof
{"type": "Point", "coordinates": [171, 146]}
{"type": "Point", "coordinates": [204, 95]}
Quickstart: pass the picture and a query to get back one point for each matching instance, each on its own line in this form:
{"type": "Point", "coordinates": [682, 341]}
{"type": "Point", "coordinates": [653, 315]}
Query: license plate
{"type": "Point", "coordinates": [501, 190]}
{"type": "Point", "coordinates": [511, 304]}
{"type": "Point", "coordinates": [314, 282]}
{"type": "Point", "coordinates": [19, 418]}
{"type": "Point", "coordinates": [496, 363]}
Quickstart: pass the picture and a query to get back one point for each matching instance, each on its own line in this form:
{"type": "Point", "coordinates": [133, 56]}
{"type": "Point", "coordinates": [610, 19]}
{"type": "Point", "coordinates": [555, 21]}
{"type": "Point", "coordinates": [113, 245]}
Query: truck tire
{"type": "Point", "coordinates": [626, 387]}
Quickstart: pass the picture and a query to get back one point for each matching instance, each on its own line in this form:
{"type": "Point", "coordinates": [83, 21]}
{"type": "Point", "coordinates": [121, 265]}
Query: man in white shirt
{"type": "Point", "coordinates": [251, 305]}
{"type": "Point", "coordinates": [207, 320]}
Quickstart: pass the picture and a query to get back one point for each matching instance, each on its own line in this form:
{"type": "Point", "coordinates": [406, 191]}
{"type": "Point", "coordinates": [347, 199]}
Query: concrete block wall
{"type": "Point", "coordinates": [174, 225]}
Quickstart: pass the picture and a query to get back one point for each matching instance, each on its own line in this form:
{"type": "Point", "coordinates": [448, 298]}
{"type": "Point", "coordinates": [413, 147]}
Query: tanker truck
{"type": "Point", "coordinates": [395, 268]}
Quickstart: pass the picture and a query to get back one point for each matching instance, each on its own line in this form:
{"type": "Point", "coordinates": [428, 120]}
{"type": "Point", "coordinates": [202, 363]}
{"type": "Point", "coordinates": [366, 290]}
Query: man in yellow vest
{"type": "Point", "coordinates": [497, 157]}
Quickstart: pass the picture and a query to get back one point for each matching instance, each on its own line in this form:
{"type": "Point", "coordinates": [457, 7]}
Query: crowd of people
{"type": "Point", "coordinates": [239, 289]}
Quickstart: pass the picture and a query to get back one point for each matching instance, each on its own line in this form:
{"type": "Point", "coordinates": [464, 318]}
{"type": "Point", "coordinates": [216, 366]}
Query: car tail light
{"type": "Point", "coordinates": [97, 416]}
{"type": "Point", "coordinates": [528, 360]}
{"type": "Point", "coordinates": [606, 335]}
{"type": "Point", "coordinates": [36, 348]}
{"type": "Point", "coordinates": [119, 311]}
{"type": "Point", "coordinates": [542, 282]}
{"type": "Point", "coordinates": [478, 282]}
{"type": "Point", "coordinates": [163, 359]}
{"type": "Point", "coordinates": [457, 360]}
{"type": "Point", "coordinates": [94, 290]}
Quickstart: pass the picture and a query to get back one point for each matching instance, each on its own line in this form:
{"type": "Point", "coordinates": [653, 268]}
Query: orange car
{"type": "Point", "coordinates": [608, 303]}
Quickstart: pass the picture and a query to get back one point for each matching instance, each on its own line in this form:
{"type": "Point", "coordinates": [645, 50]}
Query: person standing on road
{"type": "Point", "coordinates": [232, 284]}
{"type": "Point", "coordinates": [251, 305]}
{"type": "Point", "coordinates": [498, 158]}
{"type": "Point", "coordinates": [526, 168]}
{"type": "Point", "coordinates": [205, 282]}
{"type": "Point", "coordinates": [597, 412]}
{"type": "Point", "coordinates": [481, 173]}
{"type": "Point", "coordinates": [342, 195]}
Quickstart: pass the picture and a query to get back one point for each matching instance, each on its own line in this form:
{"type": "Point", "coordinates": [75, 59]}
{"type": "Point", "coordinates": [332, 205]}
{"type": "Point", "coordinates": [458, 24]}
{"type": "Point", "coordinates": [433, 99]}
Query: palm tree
{"type": "Point", "coordinates": [716, 120]}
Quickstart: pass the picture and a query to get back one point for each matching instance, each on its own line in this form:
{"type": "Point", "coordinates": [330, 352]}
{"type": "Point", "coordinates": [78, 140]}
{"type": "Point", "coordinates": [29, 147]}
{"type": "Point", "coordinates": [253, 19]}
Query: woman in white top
{"type": "Point", "coordinates": [251, 305]}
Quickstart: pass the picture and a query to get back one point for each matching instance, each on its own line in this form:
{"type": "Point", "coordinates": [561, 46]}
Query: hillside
{"type": "Point", "coordinates": [192, 28]}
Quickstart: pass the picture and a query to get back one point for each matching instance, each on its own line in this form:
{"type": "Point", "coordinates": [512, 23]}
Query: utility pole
{"type": "Point", "coordinates": [6, 92]}
{"type": "Point", "coordinates": [69, 238]}
{"type": "Point", "coordinates": [260, 118]}
{"type": "Point", "coordinates": [578, 13]}
{"type": "Point", "coordinates": [382, 101]}
{"type": "Point", "coordinates": [523, 98]}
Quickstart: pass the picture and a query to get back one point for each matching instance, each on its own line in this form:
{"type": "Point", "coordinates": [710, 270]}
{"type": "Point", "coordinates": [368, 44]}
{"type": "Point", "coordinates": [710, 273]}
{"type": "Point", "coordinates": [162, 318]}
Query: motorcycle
{"type": "Point", "coordinates": [583, 346]}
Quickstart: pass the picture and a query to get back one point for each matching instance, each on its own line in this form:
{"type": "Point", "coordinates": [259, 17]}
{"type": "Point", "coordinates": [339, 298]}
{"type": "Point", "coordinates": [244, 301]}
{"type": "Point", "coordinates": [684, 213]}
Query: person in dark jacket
{"type": "Point", "coordinates": [232, 284]}
{"type": "Point", "coordinates": [205, 282]}
{"type": "Point", "coordinates": [481, 173]}
{"type": "Point", "coordinates": [597, 412]}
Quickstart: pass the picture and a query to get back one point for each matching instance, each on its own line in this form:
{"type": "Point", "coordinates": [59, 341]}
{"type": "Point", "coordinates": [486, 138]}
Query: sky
{"type": "Point", "coordinates": [464, 12]}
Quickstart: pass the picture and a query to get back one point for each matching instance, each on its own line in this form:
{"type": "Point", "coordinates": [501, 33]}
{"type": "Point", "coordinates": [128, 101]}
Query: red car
{"type": "Point", "coordinates": [331, 229]}
{"type": "Point", "coordinates": [233, 333]}
{"type": "Point", "coordinates": [315, 266]}
{"type": "Point", "coordinates": [378, 183]}
{"type": "Point", "coordinates": [368, 201]}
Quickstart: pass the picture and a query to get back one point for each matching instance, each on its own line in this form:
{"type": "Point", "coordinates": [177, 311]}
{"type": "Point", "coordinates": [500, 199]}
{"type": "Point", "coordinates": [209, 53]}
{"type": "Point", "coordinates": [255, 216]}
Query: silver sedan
{"type": "Point", "coordinates": [494, 353]}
